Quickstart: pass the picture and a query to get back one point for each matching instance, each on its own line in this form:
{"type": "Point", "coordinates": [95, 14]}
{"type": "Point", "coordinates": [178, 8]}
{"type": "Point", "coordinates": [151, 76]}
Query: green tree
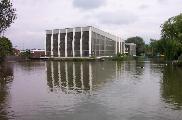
{"type": "Point", "coordinates": [148, 50]}
{"type": "Point", "coordinates": [5, 47]}
{"type": "Point", "coordinates": [171, 37]}
{"type": "Point", "coordinates": [140, 44]}
{"type": "Point", "coordinates": [172, 28]}
{"type": "Point", "coordinates": [156, 47]}
{"type": "Point", "coordinates": [7, 15]}
{"type": "Point", "coordinates": [172, 49]}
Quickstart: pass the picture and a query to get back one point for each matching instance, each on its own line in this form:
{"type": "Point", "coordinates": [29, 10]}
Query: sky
{"type": "Point", "coordinates": [124, 18]}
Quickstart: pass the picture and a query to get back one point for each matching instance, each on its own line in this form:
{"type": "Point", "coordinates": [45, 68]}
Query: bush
{"type": "Point", "coordinates": [5, 47]}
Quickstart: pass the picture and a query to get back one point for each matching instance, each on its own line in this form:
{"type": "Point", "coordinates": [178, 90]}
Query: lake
{"type": "Point", "coordinates": [109, 90]}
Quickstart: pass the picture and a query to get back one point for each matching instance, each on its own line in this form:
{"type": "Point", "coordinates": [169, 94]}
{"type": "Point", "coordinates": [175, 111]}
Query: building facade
{"type": "Point", "coordinates": [130, 49]}
{"type": "Point", "coordinates": [37, 53]}
{"type": "Point", "coordinates": [81, 42]}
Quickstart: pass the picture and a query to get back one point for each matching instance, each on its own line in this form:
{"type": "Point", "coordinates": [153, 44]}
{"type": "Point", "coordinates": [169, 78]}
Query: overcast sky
{"type": "Point", "coordinates": [125, 18]}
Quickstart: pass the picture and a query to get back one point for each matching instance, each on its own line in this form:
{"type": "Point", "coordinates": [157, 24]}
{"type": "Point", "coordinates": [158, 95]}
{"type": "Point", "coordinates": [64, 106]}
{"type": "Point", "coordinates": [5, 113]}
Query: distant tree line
{"type": "Point", "coordinates": [169, 45]}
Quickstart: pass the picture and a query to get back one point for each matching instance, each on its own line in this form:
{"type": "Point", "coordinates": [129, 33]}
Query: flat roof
{"type": "Point", "coordinates": [86, 28]}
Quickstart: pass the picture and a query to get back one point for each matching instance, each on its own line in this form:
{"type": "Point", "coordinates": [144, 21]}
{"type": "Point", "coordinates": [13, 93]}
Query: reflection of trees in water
{"type": "Point", "coordinates": [78, 77]}
{"type": "Point", "coordinates": [132, 70]}
{"type": "Point", "coordinates": [172, 86]}
{"type": "Point", "coordinates": [6, 77]}
{"type": "Point", "coordinates": [135, 67]}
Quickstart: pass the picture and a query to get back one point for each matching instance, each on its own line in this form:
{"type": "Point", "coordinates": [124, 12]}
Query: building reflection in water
{"type": "Point", "coordinates": [78, 77]}
{"type": "Point", "coordinates": [81, 77]}
{"type": "Point", "coordinates": [172, 86]}
{"type": "Point", "coordinates": [6, 77]}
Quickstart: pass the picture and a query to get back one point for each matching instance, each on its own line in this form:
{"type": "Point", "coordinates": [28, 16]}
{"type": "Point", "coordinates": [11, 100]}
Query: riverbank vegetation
{"type": "Point", "coordinates": [170, 44]}
{"type": "Point", "coordinates": [5, 47]}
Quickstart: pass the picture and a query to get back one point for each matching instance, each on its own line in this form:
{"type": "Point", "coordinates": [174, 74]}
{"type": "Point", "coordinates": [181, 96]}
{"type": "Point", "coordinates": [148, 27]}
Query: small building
{"type": "Point", "coordinates": [130, 49]}
{"type": "Point", "coordinates": [37, 53]}
{"type": "Point", "coordinates": [33, 53]}
{"type": "Point", "coordinates": [81, 42]}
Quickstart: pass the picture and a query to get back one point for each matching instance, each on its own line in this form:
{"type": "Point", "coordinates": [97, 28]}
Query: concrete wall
{"type": "Point", "coordinates": [81, 42]}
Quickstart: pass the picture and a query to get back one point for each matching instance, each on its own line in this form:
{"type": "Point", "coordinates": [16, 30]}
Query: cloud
{"type": "Point", "coordinates": [164, 2]}
{"type": "Point", "coordinates": [120, 17]}
{"type": "Point", "coordinates": [126, 18]}
{"type": "Point", "coordinates": [143, 6]}
{"type": "Point", "coordinates": [88, 4]}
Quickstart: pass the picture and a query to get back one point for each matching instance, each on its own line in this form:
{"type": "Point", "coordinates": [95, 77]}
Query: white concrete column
{"type": "Point", "coordinates": [104, 45]}
{"type": "Point", "coordinates": [90, 41]}
{"type": "Point", "coordinates": [116, 47]}
{"type": "Point", "coordinates": [59, 43]}
{"type": "Point", "coordinates": [124, 47]}
{"type": "Point", "coordinates": [52, 45]}
{"type": "Point", "coordinates": [66, 43]}
{"type": "Point", "coordinates": [73, 43]}
{"type": "Point", "coordinates": [45, 41]}
{"type": "Point", "coordinates": [81, 38]}
{"type": "Point", "coordinates": [119, 45]}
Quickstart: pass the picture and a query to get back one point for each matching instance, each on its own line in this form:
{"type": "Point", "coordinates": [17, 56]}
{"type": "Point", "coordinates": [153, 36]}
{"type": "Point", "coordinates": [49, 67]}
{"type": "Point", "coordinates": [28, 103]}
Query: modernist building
{"type": "Point", "coordinates": [81, 42]}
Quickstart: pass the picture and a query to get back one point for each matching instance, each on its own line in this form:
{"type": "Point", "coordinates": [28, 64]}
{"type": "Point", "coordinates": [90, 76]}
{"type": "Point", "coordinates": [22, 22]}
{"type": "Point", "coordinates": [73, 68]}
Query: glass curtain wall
{"type": "Point", "coordinates": [77, 44]}
{"type": "Point", "coordinates": [55, 45]}
{"type": "Point", "coordinates": [48, 44]}
{"type": "Point", "coordinates": [62, 44]}
{"type": "Point", "coordinates": [102, 46]}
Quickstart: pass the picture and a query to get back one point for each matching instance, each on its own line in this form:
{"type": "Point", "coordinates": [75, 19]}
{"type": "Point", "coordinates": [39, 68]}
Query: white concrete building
{"type": "Point", "coordinates": [82, 42]}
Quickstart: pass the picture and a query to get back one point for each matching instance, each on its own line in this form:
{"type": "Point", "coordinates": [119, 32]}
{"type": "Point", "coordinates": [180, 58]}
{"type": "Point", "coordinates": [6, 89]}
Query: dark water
{"type": "Point", "coordinates": [90, 91]}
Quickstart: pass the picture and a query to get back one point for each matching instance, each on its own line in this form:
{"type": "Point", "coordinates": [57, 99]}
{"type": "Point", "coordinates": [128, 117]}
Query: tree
{"type": "Point", "coordinates": [7, 15]}
{"type": "Point", "coordinates": [171, 37]}
{"type": "Point", "coordinates": [5, 47]}
{"type": "Point", "coordinates": [140, 44]}
{"type": "Point", "coordinates": [148, 50]}
{"type": "Point", "coordinates": [172, 49]}
{"type": "Point", "coordinates": [172, 28]}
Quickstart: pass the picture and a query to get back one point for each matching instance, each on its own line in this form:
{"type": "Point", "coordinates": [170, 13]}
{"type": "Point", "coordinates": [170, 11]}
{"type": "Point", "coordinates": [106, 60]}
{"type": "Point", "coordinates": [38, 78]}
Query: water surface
{"type": "Point", "coordinates": [90, 91]}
